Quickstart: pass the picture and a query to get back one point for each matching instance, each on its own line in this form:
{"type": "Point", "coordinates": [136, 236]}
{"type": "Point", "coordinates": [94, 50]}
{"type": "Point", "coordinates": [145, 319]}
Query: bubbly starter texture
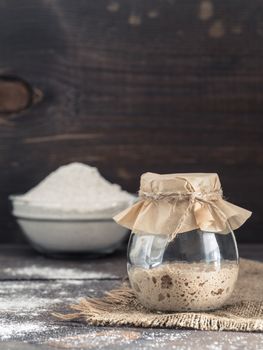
{"type": "Point", "coordinates": [184, 286]}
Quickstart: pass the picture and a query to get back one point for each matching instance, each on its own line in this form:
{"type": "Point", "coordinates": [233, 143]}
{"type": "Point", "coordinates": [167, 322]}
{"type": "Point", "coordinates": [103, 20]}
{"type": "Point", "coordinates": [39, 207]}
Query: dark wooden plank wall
{"type": "Point", "coordinates": [132, 86]}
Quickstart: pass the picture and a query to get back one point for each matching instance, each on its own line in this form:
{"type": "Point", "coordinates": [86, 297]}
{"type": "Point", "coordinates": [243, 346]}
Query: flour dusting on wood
{"type": "Point", "coordinates": [142, 339]}
{"type": "Point", "coordinates": [26, 307]}
{"type": "Point", "coordinates": [55, 273]}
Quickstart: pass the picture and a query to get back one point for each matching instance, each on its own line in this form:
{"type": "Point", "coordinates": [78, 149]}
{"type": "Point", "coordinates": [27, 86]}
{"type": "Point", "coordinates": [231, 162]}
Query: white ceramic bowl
{"type": "Point", "coordinates": [53, 232]}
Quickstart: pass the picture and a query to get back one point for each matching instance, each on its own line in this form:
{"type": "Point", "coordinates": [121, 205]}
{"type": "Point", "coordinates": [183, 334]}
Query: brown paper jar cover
{"type": "Point", "coordinates": [175, 203]}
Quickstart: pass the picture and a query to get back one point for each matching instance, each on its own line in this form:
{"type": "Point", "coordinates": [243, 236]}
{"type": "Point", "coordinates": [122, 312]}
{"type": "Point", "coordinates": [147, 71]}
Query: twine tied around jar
{"type": "Point", "coordinates": [176, 203]}
{"type": "Point", "coordinates": [203, 196]}
{"type": "Point", "coordinates": [192, 197]}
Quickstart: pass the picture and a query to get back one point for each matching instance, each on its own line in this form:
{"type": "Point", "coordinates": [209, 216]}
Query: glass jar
{"type": "Point", "coordinates": [182, 254]}
{"type": "Point", "coordinates": [196, 271]}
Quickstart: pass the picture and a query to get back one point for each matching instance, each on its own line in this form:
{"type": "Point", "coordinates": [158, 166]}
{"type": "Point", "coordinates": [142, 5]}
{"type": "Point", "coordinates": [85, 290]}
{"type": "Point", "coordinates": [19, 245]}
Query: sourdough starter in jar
{"type": "Point", "coordinates": [184, 286]}
{"type": "Point", "coordinates": [182, 253]}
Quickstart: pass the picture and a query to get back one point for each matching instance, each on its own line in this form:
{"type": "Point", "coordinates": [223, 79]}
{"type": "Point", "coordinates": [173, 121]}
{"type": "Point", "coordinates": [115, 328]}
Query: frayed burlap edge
{"type": "Point", "coordinates": [120, 307]}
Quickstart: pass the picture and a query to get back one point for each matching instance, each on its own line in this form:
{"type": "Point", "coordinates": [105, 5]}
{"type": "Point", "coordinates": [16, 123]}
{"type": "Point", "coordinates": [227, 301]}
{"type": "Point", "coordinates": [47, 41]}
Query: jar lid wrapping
{"type": "Point", "coordinates": [176, 203]}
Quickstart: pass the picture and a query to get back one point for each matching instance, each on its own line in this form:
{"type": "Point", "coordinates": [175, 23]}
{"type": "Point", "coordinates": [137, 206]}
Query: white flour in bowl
{"type": "Point", "coordinates": [76, 187]}
{"type": "Point", "coordinates": [71, 211]}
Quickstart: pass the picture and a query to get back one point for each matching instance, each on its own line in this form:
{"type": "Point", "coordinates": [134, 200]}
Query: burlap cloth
{"type": "Point", "coordinates": [119, 307]}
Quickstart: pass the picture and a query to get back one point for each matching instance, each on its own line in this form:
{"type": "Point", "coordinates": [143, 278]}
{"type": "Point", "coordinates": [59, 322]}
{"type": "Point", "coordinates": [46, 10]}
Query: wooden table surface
{"type": "Point", "coordinates": [32, 286]}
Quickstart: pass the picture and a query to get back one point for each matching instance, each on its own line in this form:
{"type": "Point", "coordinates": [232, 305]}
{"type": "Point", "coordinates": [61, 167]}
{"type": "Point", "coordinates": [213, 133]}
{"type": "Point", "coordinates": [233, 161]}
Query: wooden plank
{"type": "Point", "coordinates": [22, 263]}
{"type": "Point", "coordinates": [170, 25]}
{"type": "Point", "coordinates": [135, 86]}
{"type": "Point", "coordinates": [26, 306]}
{"type": "Point", "coordinates": [131, 339]}
{"type": "Point", "coordinates": [251, 251]}
{"type": "Point", "coordinates": [137, 339]}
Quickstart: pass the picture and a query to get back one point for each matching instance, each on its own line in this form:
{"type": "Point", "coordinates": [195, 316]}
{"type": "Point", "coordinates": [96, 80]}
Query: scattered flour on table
{"type": "Point", "coordinates": [105, 338]}
{"type": "Point", "coordinates": [24, 296]}
{"type": "Point", "coordinates": [77, 187]}
{"type": "Point", "coordinates": [55, 273]}
{"type": "Point", "coordinates": [18, 329]}
{"type": "Point", "coordinates": [23, 304]}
